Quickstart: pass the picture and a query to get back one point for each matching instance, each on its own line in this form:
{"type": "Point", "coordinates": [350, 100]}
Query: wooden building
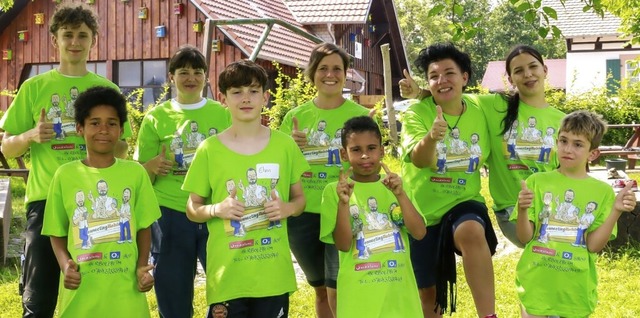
{"type": "Point", "coordinates": [137, 38]}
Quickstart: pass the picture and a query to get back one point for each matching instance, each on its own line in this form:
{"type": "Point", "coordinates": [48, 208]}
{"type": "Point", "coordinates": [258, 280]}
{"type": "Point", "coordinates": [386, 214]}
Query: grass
{"type": "Point", "coordinates": [619, 279]}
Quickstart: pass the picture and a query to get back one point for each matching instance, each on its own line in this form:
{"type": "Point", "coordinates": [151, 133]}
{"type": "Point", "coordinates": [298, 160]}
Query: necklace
{"type": "Point", "coordinates": [464, 107]}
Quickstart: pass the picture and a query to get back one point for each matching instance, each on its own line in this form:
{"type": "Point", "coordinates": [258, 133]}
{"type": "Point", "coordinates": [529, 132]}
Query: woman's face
{"type": "Point", "coordinates": [527, 74]}
{"type": "Point", "coordinates": [446, 80]}
{"type": "Point", "coordinates": [329, 77]}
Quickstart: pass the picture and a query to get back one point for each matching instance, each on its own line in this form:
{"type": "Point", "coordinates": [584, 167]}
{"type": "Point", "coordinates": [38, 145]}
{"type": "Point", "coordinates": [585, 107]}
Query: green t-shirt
{"type": "Point", "coordinates": [378, 265]}
{"type": "Point", "coordinates": [101, 214]}
{"type": "Point", "coordinates": [323, 128]}
{"type": "Point", "coordinates": [180, 128]}
{"type": "Point", "coordinates": [55, 93]}
{"type": "Point", "coordinates": [528, 148]}
{"type": "Point", "coordinates": [460, 156]}
{"type": "Point", "coordinates": [556, 274]}
{"type": "Point", "coordinates": [247, 258]}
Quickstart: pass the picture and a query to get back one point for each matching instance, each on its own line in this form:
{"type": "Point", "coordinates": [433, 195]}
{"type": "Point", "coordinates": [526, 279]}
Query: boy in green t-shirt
{"type": "Point", "coordinates": [249, 267]}
{"type": "Point", "coordinates": [98, 220]}
{"type": "Point", "coordinates": [41, 120]}
{"type": "Point", "coordinates": [367, 216]}
{"type": "Point", "coordinates": [565, 217]}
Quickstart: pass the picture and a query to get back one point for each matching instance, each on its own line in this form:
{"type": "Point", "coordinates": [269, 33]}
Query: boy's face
{"type": "Point", "coordinates": [101, 130]}
{"type": "Point", "coordinates": [573, 151]}
{"type": "Point", "coordinates": [245, 103]}
{"type": "Point", "coordinates": [73, 43]}
{"type": "Point", "coordinates": [364, 152]}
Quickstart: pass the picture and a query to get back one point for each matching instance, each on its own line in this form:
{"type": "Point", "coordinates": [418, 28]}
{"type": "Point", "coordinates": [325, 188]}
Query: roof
{"type": "Point", "coordinates": [282, 45]}
{"type": "Point", "coordinates": [573, 22]}
{"type": "Point", "coordinates": [495, 77]}
{"type": "Point", "coordinates": [329, 11]}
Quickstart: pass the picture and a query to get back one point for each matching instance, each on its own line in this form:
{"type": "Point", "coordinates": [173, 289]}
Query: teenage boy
{"type": "Point", "coordinates": [249, 267]}
{"type": "Point", "coordinates": [30, 123]}
{"type": "Point", "coordinates": [556, 274]}
{"type": "Point", "coordinates": [368, 238]}
{"type": "Point", "coordinates": [103, 274]}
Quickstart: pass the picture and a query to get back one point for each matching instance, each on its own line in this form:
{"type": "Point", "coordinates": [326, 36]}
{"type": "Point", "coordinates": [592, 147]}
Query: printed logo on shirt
{"type": "Point", "coordinates": [567, 255]}
{"type": "Point", "coordinates": [392, 263]}
{"type": "Point", "coordinates": [89, 256]}
{"type": "Point", "coordinates": [543, 250]}
{"type": "Point", "coordinates": [462, 181]}
{"type": "Point", "coordinates": [63, 146]}
{"type": "Point", "coordinates": [114, 255]}
{"type": "Point", "coordinates": [368, 266]}
{"type": "Point", "coordinates": [441, 180]}
{"type": "Point", "coordinates": [241, 244]}
{"type": "Point", "coordinates": [265, 241]}
{"type": "Point", "coordinates": [516, 166]}
{"type": "Point", "coordinates": [307, 174]}
{"type": "Point", "coordinates": [322, 175]}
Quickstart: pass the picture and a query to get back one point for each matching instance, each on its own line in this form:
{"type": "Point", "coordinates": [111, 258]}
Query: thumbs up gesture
{"type": "Point", "coordinates": [72, 276]}
{"type": "Point", "coordinates": [408, 87]}
{"type": "Point", "coordinates": [439, 127]}
{"type": "Point", "coordinates": [43, 132]}
{"type": "Point", "coordinates": [275, 208]}
{"type": "Point", "coordinates": [525, 197]}
{"type": "Point", "coordinates": [345, 188]}
{"type": "Point", "coordinates": [300, 137]}
{"type": "Point", "coordinates": [160, 165]}
{"type": "Point", "coordinates": [626, 199]}
{"type": "Point", "coordinates": [230, 208]}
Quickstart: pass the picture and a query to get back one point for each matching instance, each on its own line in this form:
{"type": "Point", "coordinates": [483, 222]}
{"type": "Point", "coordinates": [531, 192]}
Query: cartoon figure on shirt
{"type": "Point", "coordinates": [547, 144]}
{"type": "Point", "coordinates": [319, 137]}
{"type": "Point", "coordinates": [55, 115]}
{"type": "Point", "coordinates": [81, 219]}
{"type": "Point", "coordinates": [396, 223]}
{"type": "Point", "coordinates": [531, 133]}
{"type": "Point", "coordinates": [178, 153]}
{"type": "Point", "coordinates": [334, 149]}
{"type": "Point", "coordinates": [544, 217]}
{"type": "Point", "coordinates": [585, 221]}
{"type": "Point", "coordinates": [194, 138]}
{"type": "Point", "coordinates": [441, 163]}
{"type": "Point", "coordinates": [510, 137]}
{"type": "Point", "coordinates": [375, 219]}
{"type": "Point", "coordinates": [357, 228]}
{"type": "Point", "coordinates": [456, 146]}
{"type": "Point", "coordinates": [125, 217]}
{"type": "Point", "coordinates": [566, 211]}
{"type": "Point", "coordinates": [103, 206]}
{"type": "Point", "coordinates": [238, 228]}
{"type": "Point", "coordinates": [70, 112]}
{"type": "Point", "coordinates": [474, 153]}
{"type": "Point", "coordinates": [253, 194]}
{"type": "Point", "coordinates": [274, 183]}
{"type": "Point", "coordinates": [213, 131]}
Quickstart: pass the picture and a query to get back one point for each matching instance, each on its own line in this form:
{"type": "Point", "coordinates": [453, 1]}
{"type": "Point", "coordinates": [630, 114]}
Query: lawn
{"type": "Point", "coordinates": [619, 279]}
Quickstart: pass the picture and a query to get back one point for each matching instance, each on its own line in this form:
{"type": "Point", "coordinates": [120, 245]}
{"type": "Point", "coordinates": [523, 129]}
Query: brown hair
{"type": "Point", "coordinates": [73, 15]}
{"type": "Point", "coordinates": [585, 123]}
{"type": "Point", "coordinates": [242, 73]}
{"type": "Point", "coordinates": [321, 51]}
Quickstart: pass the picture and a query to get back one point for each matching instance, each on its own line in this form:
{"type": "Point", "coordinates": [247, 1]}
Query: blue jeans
{"type": "Point", "coordinates": [177, 246]}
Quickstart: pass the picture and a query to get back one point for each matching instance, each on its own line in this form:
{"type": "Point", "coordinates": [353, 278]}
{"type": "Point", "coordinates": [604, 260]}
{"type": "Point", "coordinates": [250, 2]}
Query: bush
{"type": "Point", "coordinates": [288, 94]}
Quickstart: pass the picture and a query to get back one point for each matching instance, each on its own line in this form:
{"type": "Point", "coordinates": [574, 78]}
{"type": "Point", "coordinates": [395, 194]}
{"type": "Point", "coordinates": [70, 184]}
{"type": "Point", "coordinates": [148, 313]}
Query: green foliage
{"type": "Point", "coordinates": [288, 94]}
{"type": "Point", "coordinates": [137, 110]}
{"type": "Point", "coordinates": [6, 92]}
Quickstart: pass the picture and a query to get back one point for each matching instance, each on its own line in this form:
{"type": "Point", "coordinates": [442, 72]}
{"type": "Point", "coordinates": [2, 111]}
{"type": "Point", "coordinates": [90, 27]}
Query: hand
{"type": "Point", "coordinates": [525, 197]}
{"type": "Point", "coordinates": [145, 279]}
{"type": "Point", "coordinates": [300, 137]}
{"type": "Point", "coordinates": [392, 181]}
{"type": "Point", "coordinates": [230, 208]}
{"type": "Point", "coordinates": [439, 128]}
{"type": "Point", "coordinates": [43, 131]}
{"type": "Point", "coordinates": [408, 87]}
{"type": "Point", "coordinates": [345, 188]}
{"type": "Point", "coordinates": [72, 277]}
{"type": "Point", "coordinates": [626, 199]}
{"type": "Point", "coordinates": [160, 165]}
{"type": "Point", "coordinates": [275, 208]}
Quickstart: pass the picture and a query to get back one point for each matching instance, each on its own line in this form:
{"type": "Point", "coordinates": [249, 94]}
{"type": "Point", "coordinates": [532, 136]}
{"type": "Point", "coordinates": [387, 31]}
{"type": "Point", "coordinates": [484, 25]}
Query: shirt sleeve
{"type": "Point", "coordinates": [196, 181]}
{"type": "Point", "coordinates": [147, 207]}
{"type": "Point", "coordinates": [414, 129]}
{"type": "Point", "coordinates": [56, 220]}
{"type": "Point", "coordinates": [148, 143]}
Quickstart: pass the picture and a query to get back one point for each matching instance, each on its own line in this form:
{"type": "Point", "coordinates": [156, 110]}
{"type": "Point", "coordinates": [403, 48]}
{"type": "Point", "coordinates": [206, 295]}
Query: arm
{"type": "Point", "coordinates": [412, 219]}
{"type": "Point", "coordinates": [297, 201]}
{"type": "Point", "coordinates": [230, 208]}
{"type": "Point", "coordinates": [424, 152]}
{"type": "Point", "coordinates": [625, 202]}
{"type": "Point", "coordinates": [342, 234]}
{"type": "Point", "coordinates": [197, 210]}
{"type": "Point", "coordinates": [145, 280]}
{"type": "Point", "coordinates": [276, 209]}
{"type": "Point", "coordinates": [16, 145]}
{"type": "Point", "coordinates": [69, 268]}
{"type": "Point", "coordinates": [159, 165]}
{"type": "Point", "coordinates": [524, 227]}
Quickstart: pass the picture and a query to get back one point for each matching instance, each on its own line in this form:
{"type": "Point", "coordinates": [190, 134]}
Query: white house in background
{"type": "Point", "coordinates": [495, 77]}
{"type": "Point", "coordinates": [594, 48]}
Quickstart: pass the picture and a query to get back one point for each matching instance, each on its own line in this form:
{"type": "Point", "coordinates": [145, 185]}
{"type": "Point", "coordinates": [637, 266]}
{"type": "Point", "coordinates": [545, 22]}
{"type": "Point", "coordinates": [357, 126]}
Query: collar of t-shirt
{"type": "Point", "coordinates": [177, 105]}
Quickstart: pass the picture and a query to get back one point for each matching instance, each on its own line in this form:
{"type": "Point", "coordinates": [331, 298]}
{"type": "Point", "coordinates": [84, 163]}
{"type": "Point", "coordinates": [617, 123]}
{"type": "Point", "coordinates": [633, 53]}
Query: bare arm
{"type": "Point", "coordinates": [342, 234]}
{"type": "Point", "coordinates": [197, 211]}
{"type": "Point", "coordinates": [297, 201]}
{"type": "Point", "coordinates": [524, 227]}
{"type": "Point", "coordinates": [625, 202]}
{"type": "Point", "coordinates": [68, 267]}
{"type": "Point", "coordinates": [424, 153]}
{"type": "Point", "coordinates": [145, 280]}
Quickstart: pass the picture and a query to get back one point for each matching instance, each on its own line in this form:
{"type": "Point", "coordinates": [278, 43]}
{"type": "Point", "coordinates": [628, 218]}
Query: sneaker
{"type": "Point", "coordinates": [620, 184]}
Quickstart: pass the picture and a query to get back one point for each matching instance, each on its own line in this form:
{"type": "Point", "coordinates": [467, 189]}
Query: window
{"type": "Point", "coordinates": [99, 68]}
{"type": "Point", "coordinates": [632, 71]}
{"type": "Point", "coordinates": [148, 75]}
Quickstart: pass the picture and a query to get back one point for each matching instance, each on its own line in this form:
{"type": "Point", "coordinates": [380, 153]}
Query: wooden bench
{"type": "Point", "coordinates": [6, 170]}
{"type": "Point", "coordinates": [6, 213]}
{"type": "Point", "coordinates": [631, 150]}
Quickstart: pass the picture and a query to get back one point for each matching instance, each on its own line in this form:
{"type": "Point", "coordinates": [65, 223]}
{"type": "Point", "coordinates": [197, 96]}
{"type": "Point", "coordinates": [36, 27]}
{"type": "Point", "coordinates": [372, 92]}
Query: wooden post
{"type": "Point", "coordinates": [209, 31]}
{"type": "Point", "coordinates": [391, 113]}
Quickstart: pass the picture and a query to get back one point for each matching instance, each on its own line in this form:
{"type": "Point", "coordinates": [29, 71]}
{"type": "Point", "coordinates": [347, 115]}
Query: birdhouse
{"type": "Point", "coordinates": [161, 31]}
{"type": "Point", "coordinates": [143, 12]}
{"type": "Point", "coordinates": [352, 36]}
{"type": "Point", "coordinates": [216, 45]}
{"type": "Point", "coordinates": [7, 55]}
{"type": "Point", "coordinates": [367, 42]}
{"type": "Point", "coordinates": [91, 1]}
{"type": "Point", "coordinates": [372, 28]}
{"type": "Point", "coordinates": [23, 36]}
{"type": "Point", "coordinates": [197, 26]}
{"type": "Point", "coordinates": [178, 8]}
{"type": "Point", "coordinates": [39, 17]}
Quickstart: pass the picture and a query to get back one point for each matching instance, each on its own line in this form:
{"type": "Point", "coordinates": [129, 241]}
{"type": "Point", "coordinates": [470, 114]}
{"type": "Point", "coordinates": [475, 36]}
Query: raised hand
{"type": "Point", "coordinates": [392, 181]}
{"type": "Point", "coordinates": [626, 199]}
{"type": "Point", "coordinates": [439, 127]}
{"type": "Point", "coordinates": [72, 277]}
{"type": "Point", "coordinates": [160, 165]}
{"type": "Point", "coordinates": [43, 131]}
{"type": "Point", "coordinates": [408, 87]}
{"type": "Point", "coordinates": [230, 208]}
{"type": "Point", "coordinates": [145, 279]}
{"type": "Point", "coordinates": [275, 208]}
{"type": "Point", "coordinates": [345, 188]}
{"type": "Point", "coordinates": [525, 197]}
{"type": "Point", "coordinates": [300, 137]}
